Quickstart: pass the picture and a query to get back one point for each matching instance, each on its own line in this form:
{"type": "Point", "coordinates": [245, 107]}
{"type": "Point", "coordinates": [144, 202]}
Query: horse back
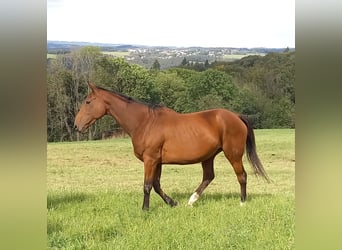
{"type": "Point", "coordinates": [215, 122]}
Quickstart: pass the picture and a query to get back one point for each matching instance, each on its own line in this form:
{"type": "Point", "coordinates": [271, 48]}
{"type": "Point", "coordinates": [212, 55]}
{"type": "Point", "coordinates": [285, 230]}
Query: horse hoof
{"type": "Point", "coordinates": [242, 204]}
{"type": "Point", "coordinates": [174, 204]}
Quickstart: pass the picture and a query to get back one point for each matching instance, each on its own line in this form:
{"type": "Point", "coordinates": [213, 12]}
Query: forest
{"type": "Point", "coordinates": [261, 87]}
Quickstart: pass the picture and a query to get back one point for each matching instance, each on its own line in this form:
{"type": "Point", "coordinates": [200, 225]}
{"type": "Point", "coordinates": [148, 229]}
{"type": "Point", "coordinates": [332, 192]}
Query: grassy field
{"type": "Point", "coordinates": [51, 56]}
{"type": "Point", "coordinates": [95, 197]}
{"type": "Point", "coordinates": [113, 53]}
{"type": "Point", "coordinates": [234, 57]}
{"type": "Point", "coordinates": [116, 53]}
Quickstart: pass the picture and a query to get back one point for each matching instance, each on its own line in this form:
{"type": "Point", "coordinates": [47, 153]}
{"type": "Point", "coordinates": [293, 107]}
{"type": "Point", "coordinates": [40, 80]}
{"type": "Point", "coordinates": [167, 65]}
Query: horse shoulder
{"type": "Point", "coordinates": [149, 141]}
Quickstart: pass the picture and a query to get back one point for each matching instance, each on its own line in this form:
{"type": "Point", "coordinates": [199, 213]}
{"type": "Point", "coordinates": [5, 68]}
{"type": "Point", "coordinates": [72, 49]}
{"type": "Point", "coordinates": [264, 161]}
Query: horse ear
{"type": "Point", "coordinates": [92, 87]}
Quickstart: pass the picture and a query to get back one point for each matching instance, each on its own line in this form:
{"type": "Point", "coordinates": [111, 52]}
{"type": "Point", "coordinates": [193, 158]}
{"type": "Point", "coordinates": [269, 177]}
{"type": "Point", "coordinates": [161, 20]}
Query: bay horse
{"type": "Point", "coordinates": [162, 136]}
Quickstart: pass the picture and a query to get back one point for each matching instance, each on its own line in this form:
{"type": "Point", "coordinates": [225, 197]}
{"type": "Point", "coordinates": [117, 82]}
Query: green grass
{"type": "Point", "coordinates": [117, 53]}
{"type": "Point", "coordinates": [95, 197]}
{"type": "Point", "coordinates": [233, 57]}
{"type": "Point", "coordinates": [51, 56]}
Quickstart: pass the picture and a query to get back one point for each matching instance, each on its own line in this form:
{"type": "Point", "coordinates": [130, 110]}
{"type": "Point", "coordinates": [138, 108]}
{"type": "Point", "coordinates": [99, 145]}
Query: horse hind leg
{"type": "Point", "coordinates": [233, 151]}
{"type": "Point", "coordinates": [208, 176]}
{"type": "Point", "coordinates": [242, 178]}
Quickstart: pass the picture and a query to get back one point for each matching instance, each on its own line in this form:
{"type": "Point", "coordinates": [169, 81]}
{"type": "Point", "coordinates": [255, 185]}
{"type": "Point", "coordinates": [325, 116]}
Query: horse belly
{"type": "Point", "coordinates": [188, 152]}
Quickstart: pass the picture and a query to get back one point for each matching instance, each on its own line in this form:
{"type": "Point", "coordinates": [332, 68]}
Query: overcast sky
{"type": "Point", "coordinates": [209, 23]}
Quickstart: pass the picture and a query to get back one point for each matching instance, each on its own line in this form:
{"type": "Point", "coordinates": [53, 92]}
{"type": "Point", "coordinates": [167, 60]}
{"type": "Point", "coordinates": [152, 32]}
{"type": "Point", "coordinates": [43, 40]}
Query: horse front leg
{"type": "Point", "coordinates": [157, 188]}
{"type": "Point", "coordinates": [147, 191]}
{"type": "Point", "coordinates": [148, 180]}
{"type": "Point", "coordinates": [150, 168]}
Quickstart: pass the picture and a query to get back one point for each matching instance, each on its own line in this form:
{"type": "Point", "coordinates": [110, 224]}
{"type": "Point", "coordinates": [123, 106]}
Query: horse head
{"type": "Point", "coordinates": [92, 109]}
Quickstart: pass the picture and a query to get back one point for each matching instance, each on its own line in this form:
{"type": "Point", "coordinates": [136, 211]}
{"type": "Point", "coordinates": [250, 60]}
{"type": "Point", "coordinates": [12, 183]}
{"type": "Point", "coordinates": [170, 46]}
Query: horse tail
{"type": "Point", "coordinates": [252, 155]}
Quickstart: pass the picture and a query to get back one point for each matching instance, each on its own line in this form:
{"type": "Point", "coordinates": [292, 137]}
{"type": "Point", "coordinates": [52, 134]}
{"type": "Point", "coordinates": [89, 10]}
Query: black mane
{"type": "Point", "coordinates": [129, 99]}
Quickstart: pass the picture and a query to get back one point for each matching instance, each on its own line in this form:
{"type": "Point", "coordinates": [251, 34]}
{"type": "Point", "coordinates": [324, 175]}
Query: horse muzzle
{"type": "Point", "coordinates": [82, 128]}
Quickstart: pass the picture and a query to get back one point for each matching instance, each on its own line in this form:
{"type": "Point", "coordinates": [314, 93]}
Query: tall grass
{"type": "Point", "coordinates": [95, 197]}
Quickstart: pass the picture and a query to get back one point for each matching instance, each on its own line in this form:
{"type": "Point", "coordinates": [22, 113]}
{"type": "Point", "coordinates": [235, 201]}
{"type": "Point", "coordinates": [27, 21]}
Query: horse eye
{"type": "Point", "coordinates": [87, 102]}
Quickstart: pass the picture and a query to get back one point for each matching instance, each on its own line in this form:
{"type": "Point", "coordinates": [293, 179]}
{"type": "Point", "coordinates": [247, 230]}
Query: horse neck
{"type": "Point", "coordinates": [129, 114]}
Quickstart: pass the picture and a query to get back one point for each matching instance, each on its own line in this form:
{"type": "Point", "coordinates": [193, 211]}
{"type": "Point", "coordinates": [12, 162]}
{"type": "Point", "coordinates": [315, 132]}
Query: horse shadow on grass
{"type": "Point", "coordinates": [183, 197]}
{"type": "Point", "coordinates": [56, 200]}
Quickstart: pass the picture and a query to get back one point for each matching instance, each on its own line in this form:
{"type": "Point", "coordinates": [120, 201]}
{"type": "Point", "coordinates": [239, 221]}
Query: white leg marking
{"type": "Point", "coordinates": [194, 197]}
{"type": "Point", "coordinates": [242, 204]}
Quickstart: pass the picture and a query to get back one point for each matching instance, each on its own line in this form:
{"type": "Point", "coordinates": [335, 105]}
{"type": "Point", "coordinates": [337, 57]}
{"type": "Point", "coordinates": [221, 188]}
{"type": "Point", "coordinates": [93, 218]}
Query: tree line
{"type": "Point", "coordinates": [261, 87]}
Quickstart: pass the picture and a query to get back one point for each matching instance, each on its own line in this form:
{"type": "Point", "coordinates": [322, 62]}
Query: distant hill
{"type": "Point", "coordinates": [66, 46]}
{"type": "Point", "coordinates": [167, 56]}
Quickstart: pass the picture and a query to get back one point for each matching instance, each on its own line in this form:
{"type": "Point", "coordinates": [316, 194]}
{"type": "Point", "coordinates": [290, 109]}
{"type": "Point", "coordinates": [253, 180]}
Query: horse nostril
{"type": "Point", "coordinates": [75, 127]}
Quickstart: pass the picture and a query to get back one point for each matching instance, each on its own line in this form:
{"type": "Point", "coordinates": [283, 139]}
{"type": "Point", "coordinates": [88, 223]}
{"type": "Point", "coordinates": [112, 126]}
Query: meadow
{"type": "Point", "coordinates": [233, 57]}
{"type": "Point", "coordinates": [94, 199]}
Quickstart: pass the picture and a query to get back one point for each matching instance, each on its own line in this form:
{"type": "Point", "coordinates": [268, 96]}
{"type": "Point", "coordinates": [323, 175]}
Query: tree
{"type": "Point", "coordinates": [270, 80]}
{"type": "Point", "coordinates": [59, 110]}
{"type": "Point", "coordinates": [126, 78]}
{"type": "Point", "coordinates": [206, 64]}
{"type": "Point", "coordinates": [156, 65]}
{"type": "Point", "coordinates": [67, 78]}
{"type": "Point", "coordinates": [184, 62]}
{"type": "Point", "coordinates": [202, 90]}
{"type": "Point", "coordinates": [170, 88]}
{"type": "Point", "coordinates": [252, 104]}
{"type": "Point", "coordinates": [213, 83]}
{"type": "Point", "coordinates": [184, 102]}
{"type": "Point", "coordinates": [83, 62]}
